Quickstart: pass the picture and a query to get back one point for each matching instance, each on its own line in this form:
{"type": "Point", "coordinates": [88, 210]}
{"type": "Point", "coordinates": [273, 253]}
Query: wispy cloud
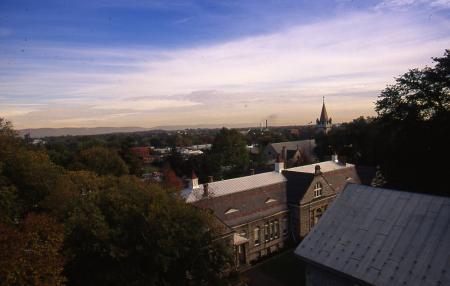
{"type": "Point", "coordinates": [349, 59]}
{"type": "Point", "coordinates": [404, 4]}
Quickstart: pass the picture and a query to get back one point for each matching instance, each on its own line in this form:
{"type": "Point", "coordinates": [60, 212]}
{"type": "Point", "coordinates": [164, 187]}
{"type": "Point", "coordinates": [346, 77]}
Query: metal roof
{"type": "Point", "coordinates": [326, 166]}
{"type": "Point", "coordinates": [225, 187]}
{"type": "Point", "coordinates": [383, 237]}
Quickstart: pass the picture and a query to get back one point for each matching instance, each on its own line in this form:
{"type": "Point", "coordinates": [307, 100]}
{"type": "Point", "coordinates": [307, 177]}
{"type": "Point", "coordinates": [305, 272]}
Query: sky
{"type": "Point", "coordinates": [91, 63]}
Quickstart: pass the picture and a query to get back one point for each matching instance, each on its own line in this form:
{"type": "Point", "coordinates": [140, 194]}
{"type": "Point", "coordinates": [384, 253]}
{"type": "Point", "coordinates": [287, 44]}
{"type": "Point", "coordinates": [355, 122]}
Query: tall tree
{"type": "Point", "coordinates": [229, 154]}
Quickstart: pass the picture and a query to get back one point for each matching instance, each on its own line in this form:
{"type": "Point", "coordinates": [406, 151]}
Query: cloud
{"type": "Point", "coordinates": [403, 4]}
{"type": "Point", "coordinates": [349, 59]}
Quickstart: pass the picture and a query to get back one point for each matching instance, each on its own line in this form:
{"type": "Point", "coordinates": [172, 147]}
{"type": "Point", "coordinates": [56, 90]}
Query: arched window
{"type": "Point", "coordinates": [317, 190]}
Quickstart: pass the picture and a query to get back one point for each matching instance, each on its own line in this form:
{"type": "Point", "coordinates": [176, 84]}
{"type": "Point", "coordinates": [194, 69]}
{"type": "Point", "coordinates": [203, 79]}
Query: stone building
{"type": "Point", "coordinates": [372, 236]}
{"type": "Point", "coordinates": [265, 211]}
{"type": "Point", "coordinates": [311, 189]}
{"type": "Point", "coordinates": [254, 207]}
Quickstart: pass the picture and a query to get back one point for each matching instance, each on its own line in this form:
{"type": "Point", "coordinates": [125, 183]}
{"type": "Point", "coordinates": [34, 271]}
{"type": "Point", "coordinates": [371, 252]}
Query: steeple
{"type": "Point", "coordinates": [323, 114]}
{"type": "Point", "coordinates": [324, 123]}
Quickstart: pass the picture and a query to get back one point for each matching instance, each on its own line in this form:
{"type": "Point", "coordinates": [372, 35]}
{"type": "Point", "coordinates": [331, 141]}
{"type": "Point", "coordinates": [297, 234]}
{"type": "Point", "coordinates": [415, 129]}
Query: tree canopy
{"type": "Point", "coordinates": [409, 137]}
{"type": "Point", "coordinates": [90, 226]}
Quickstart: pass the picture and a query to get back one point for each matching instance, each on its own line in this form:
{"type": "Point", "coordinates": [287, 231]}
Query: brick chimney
{"type": "Point", "coordinates": [193, 183]}
{"type": "Point", "coordinates": [279, 164]}
{"type": "Point", "coordinates": [317, 170]}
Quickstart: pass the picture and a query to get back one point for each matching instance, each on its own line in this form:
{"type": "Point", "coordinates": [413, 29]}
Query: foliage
{"type": "Point", "coordinates": [92, 229]}
{"type": "Point", "coordinates": [408, 137]}
{"type": "Point", "coordinates": [100, 160]}
{"type": "Point", "coordinates": [31, 253]}
{"type": "Point", "coordinates": [229, 156]}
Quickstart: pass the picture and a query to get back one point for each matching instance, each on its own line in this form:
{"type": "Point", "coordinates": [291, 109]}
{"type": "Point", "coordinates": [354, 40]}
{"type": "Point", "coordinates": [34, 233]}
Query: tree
{"type": "Point", "coordinates": [31, 254]}
{"type": "Point", "coordinates": [229, 155]}
{"type": "Point", "coordinates": [413, 119]}
{"type": "Point", "coordinates": [100, 160]}
{"type": "Point", "coordinates": [170, 179]}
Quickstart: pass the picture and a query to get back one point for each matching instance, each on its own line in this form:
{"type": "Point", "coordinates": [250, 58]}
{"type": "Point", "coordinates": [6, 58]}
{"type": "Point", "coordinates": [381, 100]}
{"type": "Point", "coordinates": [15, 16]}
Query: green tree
{"type": "Point", "coordinates": [414, 119]}
{"type": "Point", "coordinates": [100, 160]}
{"type": "Point", "coordinates": [229, 156]}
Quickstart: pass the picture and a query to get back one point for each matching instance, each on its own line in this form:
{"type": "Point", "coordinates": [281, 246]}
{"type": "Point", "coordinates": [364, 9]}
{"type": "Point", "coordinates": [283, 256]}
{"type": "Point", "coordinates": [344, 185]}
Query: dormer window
{"type": "Point", "coordinates": [231, 210]}
{"type": "Point", "coordinates": [270, 200]}
{"type": "Point", "coordinates": [317, 190]}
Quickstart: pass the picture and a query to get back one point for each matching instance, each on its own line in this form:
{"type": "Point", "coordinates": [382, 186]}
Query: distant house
{"type": "Point", "coordinates": [293, 153]}
{"type": "Point", "coordinates": [372, 236]}
{"type": "Point", "coordinates": [267, 210]}
{"type": "Point", "coordinates": [143, 153]}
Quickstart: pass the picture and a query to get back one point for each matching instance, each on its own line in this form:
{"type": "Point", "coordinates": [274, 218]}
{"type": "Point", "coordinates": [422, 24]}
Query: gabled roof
{"type": "Point", "coordinates": [225, 187]}
{"type": "Point", "coordinates": [337, 175]}
{"type": "Point", "coordinates": [383, 237]}
{"type": "Point", "coordinates": [306, 146]}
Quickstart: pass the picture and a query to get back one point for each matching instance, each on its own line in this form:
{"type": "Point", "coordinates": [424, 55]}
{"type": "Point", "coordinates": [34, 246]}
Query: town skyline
{"type": "Point", "coordinates": [147, 64]}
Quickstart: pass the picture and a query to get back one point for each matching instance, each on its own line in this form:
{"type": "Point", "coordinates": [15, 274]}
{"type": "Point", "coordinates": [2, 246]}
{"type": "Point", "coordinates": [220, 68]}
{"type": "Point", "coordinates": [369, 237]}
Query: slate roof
{"type": "Point", "coordinates": [237, 208]}
{"type": "Point", "coordinates": [306, 146]}
{"type": "Point", "coordinates": [225, 187]}
{"type": "Point", "coordinates": [325, 166]}
{"type": "Point", "coordinates": [383, 237]}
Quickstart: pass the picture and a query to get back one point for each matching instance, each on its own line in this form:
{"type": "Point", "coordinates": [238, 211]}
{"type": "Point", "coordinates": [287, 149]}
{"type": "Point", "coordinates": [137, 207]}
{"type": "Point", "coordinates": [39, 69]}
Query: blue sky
{"type": "Point", "coordinates": [149, 63]}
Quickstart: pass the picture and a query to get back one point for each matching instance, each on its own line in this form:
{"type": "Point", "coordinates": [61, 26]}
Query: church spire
{"type": "Point", "coordinates": [324, 114]}
{"type": "Point", "coordinates": [324, 122]}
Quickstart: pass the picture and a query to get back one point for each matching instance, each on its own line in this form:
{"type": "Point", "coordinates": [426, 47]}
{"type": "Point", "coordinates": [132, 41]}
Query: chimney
{"type": "Point", "coordinates": [279, 164]}
{"type": "Point", "coordinates": [205, 190]}
{"type": "Point", "coordinates": [334, 158]}
{"type": "Point", "coordinates": [252, 171]}
{"type": "Point", "coordinates": [193, 183]}
{"type": "Point", "coordinates": [266, 123]}
{"type": "Point", "coordinates": [317, 170]}
{"type": "Point", "coordinates": [210, 179]}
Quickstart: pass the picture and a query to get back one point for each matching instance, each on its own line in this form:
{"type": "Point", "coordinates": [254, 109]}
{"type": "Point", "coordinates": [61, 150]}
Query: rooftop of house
{"type": "Point", "coordinates": [383, 237]}
{"type": "Point", "coordinates": [305, 145]}
{"type": "Point", "coordinates": [225, 187]}
{"type": "Point", "coordinates": [326, 166]}
{"type": "Point", "coordinates": [230, 186]}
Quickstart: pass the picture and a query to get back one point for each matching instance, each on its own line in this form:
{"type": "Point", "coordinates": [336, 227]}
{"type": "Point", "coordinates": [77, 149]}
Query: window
{"type": "Point", "coordinates": [266, 232]}
{"type": "Point", "coordinates": [317, 215]}
{"type": "Point", "coordinates": [272, 231]}
{"type": "Point", "coordinates": [284, 226]}
{"type": "Point", "coordinates": [257, 234]}
{"type": "Point", "coordinates": [277, 228]}
{"type": "Point", "coordinates": [317, 190]}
